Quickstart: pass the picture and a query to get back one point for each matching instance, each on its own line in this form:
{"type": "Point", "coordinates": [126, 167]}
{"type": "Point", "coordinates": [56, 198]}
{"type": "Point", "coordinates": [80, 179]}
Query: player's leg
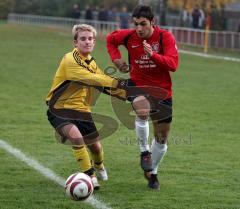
{"type": "Point", "coordinates": [159, 149]}
{"type": "Point", "coordinates": [97, 153]}
{"type": "Point", "coordinates": [72, 133]}
{"type": "Point", "coordinates": [80, 153]}
{"type": "Point", "coordinates": [142, 108]}
{"type": "Point", "coordinates": [159, 144]}
{"type": "Point", "coordinates": [67, 131]}
{"type": "Point", "coordinates": [91, 139]}
{"type": "Point", "coordinates": [161, 125]}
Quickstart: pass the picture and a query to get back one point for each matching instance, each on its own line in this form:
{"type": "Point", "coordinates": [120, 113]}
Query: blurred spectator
{"type": "Point", "coordinates": [76, 14]}
{"type": "Point", "coordinates": [223, 18]}
{"type": "Point", "coordinates": [201, 18]}
{"type": "Point", "coordinates": [196, 14]}
{"type": "Point", "coordinates": [215, 18]}
{"type": "Point", "coordinates": [103, 14]}
{"type": "Point", "coordinates": [95, 9]}
{"type": "Point", "coordinates": [112, 15]}
{"type": "Point", "coordinates": [208, 19]}
{"type": "Point", "coordinates": [184, 17]}
{"type": "Point", "coordinates": [124, 18]}
{"type": "Point", "coordinates": [88, 13]}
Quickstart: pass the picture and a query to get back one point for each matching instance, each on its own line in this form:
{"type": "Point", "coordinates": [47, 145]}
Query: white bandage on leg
{"type": "Point", "coordinates": [142, 131]}
{"type": "Point", "coordinates": [158, 152]}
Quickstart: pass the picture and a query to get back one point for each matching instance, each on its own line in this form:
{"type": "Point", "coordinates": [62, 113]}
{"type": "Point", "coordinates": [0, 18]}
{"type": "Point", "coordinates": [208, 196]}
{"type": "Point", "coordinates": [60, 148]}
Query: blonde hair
{"type": "Point", "coordinates": [83, 27]}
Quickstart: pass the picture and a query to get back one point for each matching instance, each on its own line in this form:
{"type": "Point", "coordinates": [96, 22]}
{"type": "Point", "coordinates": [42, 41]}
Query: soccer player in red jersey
{"type": "Point", "coordinates": [153, 55]}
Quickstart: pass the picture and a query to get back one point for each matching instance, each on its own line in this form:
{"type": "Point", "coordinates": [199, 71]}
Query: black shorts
{"type": "Point", "coordinates": [85, 124]}
{"type": "Point", "coordinates": [161, 109]}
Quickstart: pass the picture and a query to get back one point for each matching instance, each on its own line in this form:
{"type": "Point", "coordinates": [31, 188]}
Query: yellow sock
{"type": "Point", "coordinates": [82, 156]}
{"type": "Point", "coordinates": [98, 159]}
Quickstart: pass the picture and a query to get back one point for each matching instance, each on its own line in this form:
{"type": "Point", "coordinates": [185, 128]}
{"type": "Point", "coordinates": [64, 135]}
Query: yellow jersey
{"type": "Point", "coordinates": [81, 74]}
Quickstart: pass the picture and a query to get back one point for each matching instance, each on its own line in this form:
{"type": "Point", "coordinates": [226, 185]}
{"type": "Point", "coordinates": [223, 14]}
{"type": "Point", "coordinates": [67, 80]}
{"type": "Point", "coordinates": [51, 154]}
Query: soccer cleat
{"type": "Point", "coordinates": [153, 182]}
{"type": "Point", "coordinates": [146, 161]}
{"type": "Point", "coordinates": [101, 174]}
{"type": "Point", "coordinates": [95, 183]}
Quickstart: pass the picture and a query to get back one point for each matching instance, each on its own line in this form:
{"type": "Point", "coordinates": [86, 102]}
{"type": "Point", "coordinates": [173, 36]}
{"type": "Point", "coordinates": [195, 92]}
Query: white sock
{"type": "Point", "coordinates": [142, 131]}
{"type": "Point", "coordinates": [158, 152]}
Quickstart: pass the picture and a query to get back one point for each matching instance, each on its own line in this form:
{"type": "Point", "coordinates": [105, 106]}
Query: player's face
{"type": "Point", "coordinates": [85, 42]}
{"type": "Point", "coordinates": [143, 27]}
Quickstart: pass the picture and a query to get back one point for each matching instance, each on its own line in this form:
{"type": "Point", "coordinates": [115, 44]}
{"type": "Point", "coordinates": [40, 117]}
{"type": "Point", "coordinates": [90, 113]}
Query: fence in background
{"type": "Point", "coordinates": [217, 39]}
{"type": "Point", "coordinates": [61, 22]}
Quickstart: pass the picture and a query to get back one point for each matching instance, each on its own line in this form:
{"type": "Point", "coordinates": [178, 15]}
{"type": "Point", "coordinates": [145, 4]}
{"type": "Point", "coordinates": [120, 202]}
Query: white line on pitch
{"type": "Point", "coordinates": [45, 171]}
{"type": "Point", "coordinates": [210, 56]}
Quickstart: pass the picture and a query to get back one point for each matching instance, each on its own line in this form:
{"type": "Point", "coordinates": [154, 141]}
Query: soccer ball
{"type": "Point", "coordinates": [79, 186]}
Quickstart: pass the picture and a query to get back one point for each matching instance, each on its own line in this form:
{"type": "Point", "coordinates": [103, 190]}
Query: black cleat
{"type": "Point", "coordinates": [153, 182]}
{"type": "Point", "coordinates": [146, 161]}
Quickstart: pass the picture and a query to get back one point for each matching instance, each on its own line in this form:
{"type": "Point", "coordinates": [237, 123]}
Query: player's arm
{"type": "Point", "coordinates": [76, 72]}
{"type": "Point", "coordinates": [114, 40]}
{"type": "Point", "coordinates": [169, 59]}
{"type": "Point", "coordinates": [119, 93]}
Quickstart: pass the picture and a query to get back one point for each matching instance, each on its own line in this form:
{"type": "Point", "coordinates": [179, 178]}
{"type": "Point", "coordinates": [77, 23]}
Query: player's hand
{"type": "Point", "coordinates": [147, 48]}
{"type": "Point", "coordinates": [121, 65]}
{"type": "Point", "coordinates": [131, 91]}
{"type": "Point", "coordinates": [122, 83]}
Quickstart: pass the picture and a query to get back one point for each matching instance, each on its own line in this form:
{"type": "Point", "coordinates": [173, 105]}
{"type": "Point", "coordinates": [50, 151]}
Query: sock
{"type": "Point", "coordinates": [142, 131]}
{"type": "Point", "coordinates": [82, 157]}
{"type": "Point", "coordinates": [98, 159]}
{"type": "Point", "coordinates": [158, 152]}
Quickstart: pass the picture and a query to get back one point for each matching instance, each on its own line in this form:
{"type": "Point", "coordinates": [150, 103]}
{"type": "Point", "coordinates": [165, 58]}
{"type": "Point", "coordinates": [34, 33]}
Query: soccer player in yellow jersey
{"type": "Point", "coordinates": [70, 98]}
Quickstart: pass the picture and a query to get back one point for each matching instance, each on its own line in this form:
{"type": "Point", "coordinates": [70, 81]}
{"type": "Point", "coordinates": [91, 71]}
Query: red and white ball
{"type": "Point", "coordinates": [79, 186]}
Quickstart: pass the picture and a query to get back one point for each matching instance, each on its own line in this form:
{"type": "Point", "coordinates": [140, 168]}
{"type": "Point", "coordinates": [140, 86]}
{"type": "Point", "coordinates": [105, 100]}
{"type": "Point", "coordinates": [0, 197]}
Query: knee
{"type": "Point", "coordinates": [70, 132]}
{"type": "Point", "coordinates": [142, 107]}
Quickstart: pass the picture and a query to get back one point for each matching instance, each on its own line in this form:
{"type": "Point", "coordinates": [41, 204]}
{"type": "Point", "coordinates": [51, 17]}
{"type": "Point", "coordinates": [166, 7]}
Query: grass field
{"type": "Point", "coordinates": [200, 171]}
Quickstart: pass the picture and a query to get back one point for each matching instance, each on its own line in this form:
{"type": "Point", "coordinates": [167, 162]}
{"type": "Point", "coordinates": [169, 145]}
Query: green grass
{"type": "Point", "coordinates": [201, 172]}
{"type": "Point", "coordinates": [212, 51]}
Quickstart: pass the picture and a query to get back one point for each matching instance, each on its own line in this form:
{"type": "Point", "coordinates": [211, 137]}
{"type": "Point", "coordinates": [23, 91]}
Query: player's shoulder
{"type": "Point", "coordinates": [166, 35]}
{"type": "Point", "coordinates": [162, 31]}
{"type": "Point", "coordinates": [131, 36]}
{"type": "Point", "coordinates": [68, 56]}
{"type": "Point", "coordinates": [123, 32]}
{"type": "Point", "coordinates": [72, 58]}
{"type": "Point", "coordinates": [72, 53]}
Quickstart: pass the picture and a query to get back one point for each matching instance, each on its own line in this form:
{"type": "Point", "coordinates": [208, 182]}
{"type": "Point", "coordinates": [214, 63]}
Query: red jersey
{"type": "Point", "coordinates": [144, 70]}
